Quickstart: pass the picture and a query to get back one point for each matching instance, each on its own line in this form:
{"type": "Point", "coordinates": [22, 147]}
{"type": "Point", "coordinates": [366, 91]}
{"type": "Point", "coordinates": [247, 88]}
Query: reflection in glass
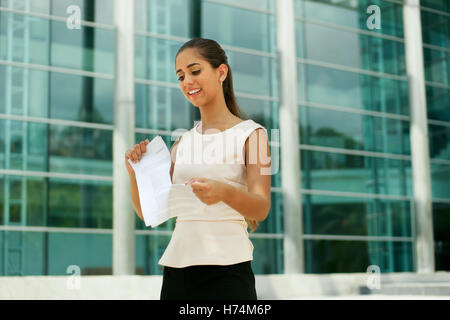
{"type": "Point", "coordinates": [88, 49]}
{"type": "Point", "coordinates": [437, 65]}
{"type": "Point", "coordinates": [149, 249]}
{"type": "Point", "coordinates": [332, 256]}
{"type": "Point", "coordinates": [356, 216]}
{"type": "Point", "coordinates": [354, 173]}
{"type": "Point", "coordinates": [267, 256]}
{"type": "Point", "coordinates": [438, 103]}
{"type": "Point", "coordinates": [353, 14]}
{"type": "Point", "coordinates": [435, 28]}
{"type": "Point", "coordinates": [258, 33]}
{"type": "Point", "coordinates": [323, 127]}
{"type": "Point", "coordinates": [352, 90]}
{"type": "Point", "coordinates": [350, 49]}
{"type": "Point", "coordinates": [439, 142]}
{"type": "Point", "coordinates": [50, 253]}
{"type": "Point", "coordinates": [441, 223]}
{"type": "Point", "coordinates": [162, 108]}
{"type": "Point", "coordinates": [440, 180]}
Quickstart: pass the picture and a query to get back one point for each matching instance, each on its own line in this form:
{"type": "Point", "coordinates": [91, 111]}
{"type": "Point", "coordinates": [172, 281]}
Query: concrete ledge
{"type": "Point", "coordinates": [269, 287]}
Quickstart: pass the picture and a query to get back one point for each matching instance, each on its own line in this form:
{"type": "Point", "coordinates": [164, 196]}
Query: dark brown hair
{"type": "Point", "coordinates": [212, 52]}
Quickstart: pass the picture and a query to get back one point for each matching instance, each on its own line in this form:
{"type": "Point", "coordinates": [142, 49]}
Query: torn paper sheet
{"type": "Point", "coordinates": [160, 199]}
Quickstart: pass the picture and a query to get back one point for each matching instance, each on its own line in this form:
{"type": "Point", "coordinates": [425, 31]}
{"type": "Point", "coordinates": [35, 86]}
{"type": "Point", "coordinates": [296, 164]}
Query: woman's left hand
{"type": "Point", "coordinates": [207, 190]}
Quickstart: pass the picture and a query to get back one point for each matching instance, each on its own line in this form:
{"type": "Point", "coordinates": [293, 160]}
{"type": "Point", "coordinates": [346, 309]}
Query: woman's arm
{"type": "Point", "coordinates": [254, 203]}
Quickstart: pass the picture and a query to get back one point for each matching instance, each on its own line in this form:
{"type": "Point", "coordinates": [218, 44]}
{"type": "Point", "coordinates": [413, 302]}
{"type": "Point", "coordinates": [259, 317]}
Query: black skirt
{"type": "Point", "coordinates": [209, 282]}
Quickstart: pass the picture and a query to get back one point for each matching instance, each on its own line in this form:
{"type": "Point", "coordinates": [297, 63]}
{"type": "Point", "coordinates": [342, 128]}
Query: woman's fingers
{"type": "Point", "coordinates": [136, 153]}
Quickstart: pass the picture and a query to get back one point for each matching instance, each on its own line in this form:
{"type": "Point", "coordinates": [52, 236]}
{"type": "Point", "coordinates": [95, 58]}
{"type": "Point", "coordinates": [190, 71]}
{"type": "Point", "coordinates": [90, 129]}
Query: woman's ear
{"type": "Point", "coordinates": [223, 71]}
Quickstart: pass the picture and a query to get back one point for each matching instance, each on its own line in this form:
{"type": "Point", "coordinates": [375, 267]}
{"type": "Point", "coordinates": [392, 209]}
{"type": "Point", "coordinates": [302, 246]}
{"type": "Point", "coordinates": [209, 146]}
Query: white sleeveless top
{"type": "Point", "coordinates": [216, 234]}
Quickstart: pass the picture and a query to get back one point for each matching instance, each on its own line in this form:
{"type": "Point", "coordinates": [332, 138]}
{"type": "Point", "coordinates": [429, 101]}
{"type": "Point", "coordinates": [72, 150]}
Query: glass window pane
{"type": "Point", "coordinates": [68, 149]}
{"type": "Point", "coordinates": [323, 127]}
{"type": "Point", "coordinates": [352, 173]}
{"type": "Point", "coordinates": [441, 223]}
{"type": "Point", "coordinates": [333, 256]}
{"type": "Point", "coordinates": [91, 252]}
{"type": "Point", "coordinates": [162, 108]}
{"type": "Point", "coordinates": [329, 215]}
{"type": "Point", "coordinates": [435, 29]}
{"type": "Point", "coordinates": [155, 58]}
{"type": "Point", "coordinates": [88, 49]}
{"type": "Point", "coordinates": [439, 142]}
{"type": "Point", "coordinates": [440, 180]}
{"type": "Point", "coordinates": [352, 90]}
{"type": "Point", "coordinates": [350, 49]}
{"type": "Point", "coordinates": [437, 65]}
{"type": "Point", "coordinates": [438, 103]}
{"type": "Point", "coordinates": [436, 4]}
{"type": "Point", "coordinates": [149, 249]}
{"type": "Point", "coordinates": [267, 256]}
{"type": "Point", "coordinates": [353, 14]}
{"type": "Point", "coordinates": [100, 11]}
{"type": "Point", "coordinates": [163, 17]}
{"type": "Point", "coordinates": [258, 34]}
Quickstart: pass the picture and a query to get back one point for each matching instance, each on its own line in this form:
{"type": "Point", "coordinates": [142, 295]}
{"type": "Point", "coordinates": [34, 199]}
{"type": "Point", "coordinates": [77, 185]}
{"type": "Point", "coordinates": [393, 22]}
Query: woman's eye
{"type": "Point", "coordinates": [180, 78]}
{"type": "Point", "coordinates": [196, 72]}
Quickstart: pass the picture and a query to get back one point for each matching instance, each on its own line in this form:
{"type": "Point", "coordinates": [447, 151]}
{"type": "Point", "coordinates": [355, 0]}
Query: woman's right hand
{"type": "Point", "coordinates": [135, 154]}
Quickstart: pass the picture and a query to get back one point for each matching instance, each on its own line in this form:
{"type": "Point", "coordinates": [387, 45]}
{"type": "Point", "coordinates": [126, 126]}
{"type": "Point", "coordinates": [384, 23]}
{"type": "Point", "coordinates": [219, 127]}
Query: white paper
{"type": "Point", "coordinates": [160, 199]}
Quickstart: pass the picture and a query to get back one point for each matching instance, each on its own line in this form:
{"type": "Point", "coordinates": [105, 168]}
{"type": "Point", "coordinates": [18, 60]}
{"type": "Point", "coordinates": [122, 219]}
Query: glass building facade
{"type": "Point", "coordinates": [57, 89]}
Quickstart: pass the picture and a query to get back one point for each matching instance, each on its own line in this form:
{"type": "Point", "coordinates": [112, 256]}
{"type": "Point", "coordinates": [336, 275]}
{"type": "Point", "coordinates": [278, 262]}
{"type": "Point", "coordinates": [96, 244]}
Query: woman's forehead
{"type": "Point", "coordinates": [188, 57]}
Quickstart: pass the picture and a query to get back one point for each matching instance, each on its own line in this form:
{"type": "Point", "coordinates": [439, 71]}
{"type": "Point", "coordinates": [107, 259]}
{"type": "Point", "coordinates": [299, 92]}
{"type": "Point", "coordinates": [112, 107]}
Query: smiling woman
{"type": "Point", "coordinates": [209, 255]}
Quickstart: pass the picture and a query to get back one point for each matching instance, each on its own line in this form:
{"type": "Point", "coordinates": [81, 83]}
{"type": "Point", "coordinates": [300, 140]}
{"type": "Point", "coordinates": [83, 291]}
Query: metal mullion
{"type": "Point", "coordinates": [238, 6]}
{"type": "Point", "coordinates": [355, 238]}
{"type": "Point", "coordinates": [348, 194]}
{"type": "Point", "coordinates": [56, 175]}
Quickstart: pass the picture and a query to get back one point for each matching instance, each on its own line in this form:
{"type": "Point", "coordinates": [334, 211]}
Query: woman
{"type": "Point", "coordinates": [209, 255]}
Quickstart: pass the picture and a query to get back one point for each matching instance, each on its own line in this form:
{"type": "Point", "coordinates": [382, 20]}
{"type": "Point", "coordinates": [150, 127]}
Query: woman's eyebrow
{"type": "Point", "coordinates": [188, 66]}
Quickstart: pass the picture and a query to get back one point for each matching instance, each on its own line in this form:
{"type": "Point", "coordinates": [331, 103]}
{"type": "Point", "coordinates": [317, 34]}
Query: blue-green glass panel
{"type": "Point", "coordinates": [79, 98]}
{"type": "Point", "coordinates": [438, 103]}
{"type": "Point", "coordinates": [439, 142]}
{"type": "Point", "coordinates": [353, 14]}
{"type": "Point", "coordinates": [20, 46]}
{"type": "Point", "coordinates": [354, 173]}
{"type": "Point", "coordinates": [162, 108]}
{"type": "Point", "coordinates": [274, 220]}
{"type": "Point", "coordinates": [332, 215]}
{"type": "Point", "coordinates": [335, 256]}
{"type": "Point", "coordinates": [255, 4]}
{"type": "Point", "coordinates": [435, 29]}
{"type": "Point", "coordinates": [352, 90]}
{"type": "Point", "coordinates": [155, 58]}
{"type": "Point", "coordinates": [267, 256]}
{"type": "Point", "coordinates": [92, 253]}
{"type": "Point", "coordinates": [169, 17]}
{"type": "Point", "coordinates": [259, 32]}
{"type": "Point", "coordinates": [43, 147]}
{"type": "Point", "coordinates": [264, 112]}
{"type": "Point", "coordinates": [80, 150]}
{"type": "Point", "coordinates": [347, 48]}
{"type": "Point", "coordinates": [149, 249]}
{"type": "Point", "coordinates": [88, 48]}
{"type": "Point", "coordinates": [50, 42]}
{"type": "Point", "coordinates": [440, 180]}
{"type": "Point", "coordinates": [29, 92]}
{"type": "Point", "coordinates": [441, 5]}
{"type": "Point", "coordinates": [437, 65]}
{"type": "Point", "coordinates": [441, 223]}
{"type": "Point", "coordinates": [323, 127]}
{"type": "Point", "coordinates": [79, 204]}
{"type": "Point", "coordinates": [100, 11]}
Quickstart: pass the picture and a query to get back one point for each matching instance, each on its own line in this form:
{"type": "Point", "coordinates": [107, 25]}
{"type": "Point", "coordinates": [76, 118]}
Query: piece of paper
{"type": "Point", "coordinates": [160, 199]}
